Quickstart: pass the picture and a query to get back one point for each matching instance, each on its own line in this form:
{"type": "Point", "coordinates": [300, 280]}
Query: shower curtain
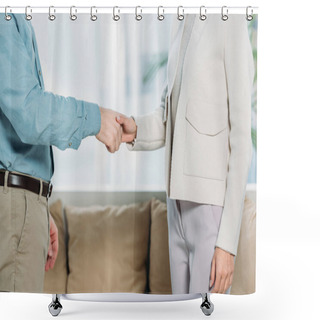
{"type": "Point", "coordinates": [128, 152]}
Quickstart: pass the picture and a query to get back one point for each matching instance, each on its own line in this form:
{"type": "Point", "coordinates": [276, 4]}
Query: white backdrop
{"type": "Point", "coordinates": [288, 237]}
{"type": "Point", "coordinates": [104, 62]}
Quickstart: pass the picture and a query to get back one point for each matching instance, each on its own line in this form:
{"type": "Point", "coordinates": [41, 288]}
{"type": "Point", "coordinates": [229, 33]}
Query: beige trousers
{"type": "Point", "coordinates": [24, 240]}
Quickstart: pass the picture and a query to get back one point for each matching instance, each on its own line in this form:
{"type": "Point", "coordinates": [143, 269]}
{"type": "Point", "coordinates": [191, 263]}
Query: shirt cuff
{"type": "Point", "coordinates": [91, 120]}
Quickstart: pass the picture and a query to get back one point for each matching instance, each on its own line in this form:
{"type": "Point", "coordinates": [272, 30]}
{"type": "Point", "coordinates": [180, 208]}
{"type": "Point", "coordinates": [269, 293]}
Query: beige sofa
{"type": "Point", "coordinates": [124, 247]}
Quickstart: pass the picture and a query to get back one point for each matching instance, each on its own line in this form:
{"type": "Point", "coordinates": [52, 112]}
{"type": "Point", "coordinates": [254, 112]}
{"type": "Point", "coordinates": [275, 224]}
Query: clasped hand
{"type": "Point", "coordinates": [115, 129]}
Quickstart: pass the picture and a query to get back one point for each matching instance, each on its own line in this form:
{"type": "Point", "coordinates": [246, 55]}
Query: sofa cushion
{"type": "Point", "coordinates": [245, 264]}
{"type": "Point", "coordinates": [159, 265]}
{"type": "Point", "coordinates": [108, 248]}
{"type": "Point", "coordinates": [55, 280]}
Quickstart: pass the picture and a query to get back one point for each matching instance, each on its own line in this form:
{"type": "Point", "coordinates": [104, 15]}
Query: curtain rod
{"type": "Point", "coordinates": [130, 10]}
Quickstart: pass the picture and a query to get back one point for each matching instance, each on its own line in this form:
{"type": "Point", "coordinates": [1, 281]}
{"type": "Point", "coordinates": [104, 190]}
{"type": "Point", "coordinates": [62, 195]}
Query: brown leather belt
{"type": "Point", "coordinates": [16, 180]}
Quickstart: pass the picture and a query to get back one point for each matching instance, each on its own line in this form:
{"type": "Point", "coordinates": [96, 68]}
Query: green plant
{"type": "Point", "coordinates": [157, 62]}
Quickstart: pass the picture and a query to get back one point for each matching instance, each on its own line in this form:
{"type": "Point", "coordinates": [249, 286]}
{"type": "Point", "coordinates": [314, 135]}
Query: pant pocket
{"type": "Point", "coordinates": [34, 236]}
{"type": "Point", "coordinates": [31, 233]}
{"type": "Point", "coordinates": [22, 217]}
{"type": "Point", "coordinates": [48, 222]}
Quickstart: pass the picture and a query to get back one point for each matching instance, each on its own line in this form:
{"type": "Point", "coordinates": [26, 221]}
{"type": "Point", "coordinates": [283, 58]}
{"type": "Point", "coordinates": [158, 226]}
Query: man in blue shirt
{"type": "Point", "coordinates": [31, 121]}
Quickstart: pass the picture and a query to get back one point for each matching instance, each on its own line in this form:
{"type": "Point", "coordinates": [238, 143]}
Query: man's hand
{"type": "Point", "coordinates": [222, 268]}
{"type": "Point", "coordinates": [129, 128]}
{"type": "Point", "coordinates": [53, 246]}
{"type": "Point", "coordinates": [110, 132]}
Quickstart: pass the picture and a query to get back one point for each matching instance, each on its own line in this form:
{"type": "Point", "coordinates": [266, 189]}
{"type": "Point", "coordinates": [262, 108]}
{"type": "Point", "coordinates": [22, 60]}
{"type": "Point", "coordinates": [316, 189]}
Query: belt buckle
{"type": "Point", "coordinates": [50, 187]}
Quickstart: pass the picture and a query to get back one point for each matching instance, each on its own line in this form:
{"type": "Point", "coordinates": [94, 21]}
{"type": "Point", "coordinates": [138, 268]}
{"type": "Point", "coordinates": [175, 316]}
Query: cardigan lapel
{"type": "Point", "coordinates": [175, 50]}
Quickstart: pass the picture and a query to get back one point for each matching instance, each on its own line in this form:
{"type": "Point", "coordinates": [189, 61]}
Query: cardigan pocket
{"type": "Point", "coordinates": [165, 112]}
{"type": "Point", "coordinates": [206, 145]}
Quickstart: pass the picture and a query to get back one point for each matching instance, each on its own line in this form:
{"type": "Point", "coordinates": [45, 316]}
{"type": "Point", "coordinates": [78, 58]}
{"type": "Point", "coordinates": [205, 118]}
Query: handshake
{"type": "Point", "coordinates": [115, 129]}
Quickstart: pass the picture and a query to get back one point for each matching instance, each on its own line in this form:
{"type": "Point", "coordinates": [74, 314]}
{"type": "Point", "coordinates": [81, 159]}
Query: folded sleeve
{"type": "Point", "coordinates": [37, 116]}
{"type": "Point", "coordinates": [239, 70]}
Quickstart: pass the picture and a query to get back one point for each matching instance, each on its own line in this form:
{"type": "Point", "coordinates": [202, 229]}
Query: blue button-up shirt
{"type": "Point", "coordinates": [31, 119]}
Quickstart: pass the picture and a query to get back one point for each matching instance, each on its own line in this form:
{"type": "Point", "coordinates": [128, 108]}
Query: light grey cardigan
{"type": "Point", "coordinates": [208, 153]}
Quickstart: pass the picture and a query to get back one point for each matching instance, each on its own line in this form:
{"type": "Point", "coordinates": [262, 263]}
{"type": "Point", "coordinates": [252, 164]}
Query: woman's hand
{"type": "Point", "coordinates": [222, 268]}
{"type": "Point", "coordinates": [129, 128]}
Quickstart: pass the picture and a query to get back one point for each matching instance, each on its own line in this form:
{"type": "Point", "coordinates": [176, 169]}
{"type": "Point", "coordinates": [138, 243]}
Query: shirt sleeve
{"type": "Point", "coordinates": [37, 116]}
{"type": "Point", "coordinates": [239, 69]}
{"type": "Point", "coordinates": [151, 128]}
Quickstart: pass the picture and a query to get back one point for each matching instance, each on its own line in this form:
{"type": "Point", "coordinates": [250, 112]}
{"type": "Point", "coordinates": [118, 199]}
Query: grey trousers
{"type": "Point", "coordinates": [193, 231]}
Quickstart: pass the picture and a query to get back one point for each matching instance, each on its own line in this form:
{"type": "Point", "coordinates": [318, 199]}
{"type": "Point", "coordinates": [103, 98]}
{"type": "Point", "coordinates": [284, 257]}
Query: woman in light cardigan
{"type": "Point", "coordinates": [204, 122]}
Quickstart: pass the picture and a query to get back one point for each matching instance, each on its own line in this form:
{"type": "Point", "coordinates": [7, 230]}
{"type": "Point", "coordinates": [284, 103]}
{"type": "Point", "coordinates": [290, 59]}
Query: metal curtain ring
{"type": "Point", "coordinates": [28, 16]}
{"type": "Point", "coordinates": [6, 15]}
{"type": "Point", "coordinates": [73, 17]}
{"type": "Point", "coordinates": [93, 17]}
{"type": "Point", "coordinates": [224, 16]}
{"type": "Point", "coordinates": [180, 15]}
{"type": "Point", "coordinates": [249, 17]}
{"type": "Point", "coordinates": [115, 17]}
{"type": "Point", "coordinates": [138, 16]}
{"type": "Point", "coordinates": [52, 16]}
{"type": "Point", "coordinates": [160, 16]}
{"type": "Point", "coordinates": [203, 13]}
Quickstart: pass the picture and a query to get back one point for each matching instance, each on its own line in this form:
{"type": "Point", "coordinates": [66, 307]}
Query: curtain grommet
{"type": "Point", "coordinates": [51, 16]}
{"type": "Point", "coordinates": [249, 17]}
{"type": "Point", "coordinates": [180, 13]}
{"type": "Point", "coordinates": [6, 15]}
{"type": "Point", "coordinates": [116, 17]}
{"type": "Point", "coordinates": [93, 17]}
{"type": "Point", "coordinates": [138, 16]}
{"type": "Point", "coordinates": [203, 13]}
{"type": "Point", "coordinates": [28, 15]}
{"type": "Point", "coordinates": [160, 16]}
{"type": "Point", "coordinates": [73, 16]}
{"type": "Point", "coordinates": [224, 13]}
